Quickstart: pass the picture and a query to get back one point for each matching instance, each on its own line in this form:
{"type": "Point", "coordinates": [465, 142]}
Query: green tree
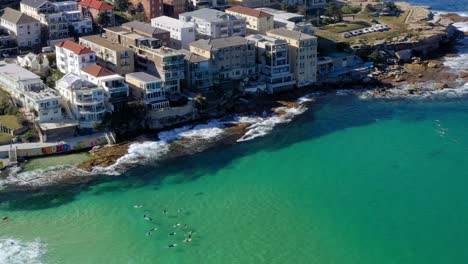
{"type": "Point", "coordinates": [103, 19]}
{"type": "Point", "coordinates": [334, 10]}
{"type": "Point", "coordinates": [121, 5]}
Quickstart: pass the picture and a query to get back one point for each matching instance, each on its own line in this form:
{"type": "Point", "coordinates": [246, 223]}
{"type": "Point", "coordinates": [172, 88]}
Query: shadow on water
{"type": "Point", "coordinates": [327, 115]}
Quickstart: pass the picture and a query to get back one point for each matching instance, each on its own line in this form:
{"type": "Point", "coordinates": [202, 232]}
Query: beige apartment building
{"type": "Point", "coordinates": [232, 58]}
{"type": "Point", "coordinates": [113, 56]}
{"type": "Point", "coordinates": [302, 54]}
{"type": "Point", "coordinates": [258, 22]}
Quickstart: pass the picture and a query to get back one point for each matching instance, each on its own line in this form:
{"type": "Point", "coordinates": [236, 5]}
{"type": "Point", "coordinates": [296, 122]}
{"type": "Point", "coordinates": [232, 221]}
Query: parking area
{"type": "Point", "coordinates": [372, 29]}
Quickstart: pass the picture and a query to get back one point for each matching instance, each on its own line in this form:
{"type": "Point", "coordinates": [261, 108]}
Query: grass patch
{"type": "Point", "coordinates": [10, 121]}
{"type": "Point", "coordinates": [345, 27]}
{"type": "Point", "coordinates": [5, 137]}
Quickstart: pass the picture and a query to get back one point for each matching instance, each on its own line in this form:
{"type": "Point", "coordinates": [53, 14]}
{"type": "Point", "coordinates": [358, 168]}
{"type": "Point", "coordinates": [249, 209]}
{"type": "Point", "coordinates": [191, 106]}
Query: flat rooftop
{"type": "Point", "coordinates": [281, 14]}
{"type": "Point", "coordinates": [210, 44]}
{"type": "Point", "coordinates": [104, 43]}
{"type": "Point", "coordinates": [165, 20]}
{"type": "Point", "coordinates": [211, 15]}
{"type": "Point", "coordinates": [16, 72]}
{"type": "Point", "coordinates": [143, 77]}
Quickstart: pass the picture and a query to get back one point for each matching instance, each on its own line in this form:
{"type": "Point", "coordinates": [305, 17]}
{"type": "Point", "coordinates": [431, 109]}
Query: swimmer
{"type": "Point", "coordinates": [164, 211]}
{"type": "Point", "coordinates": [173, 233]}
{"type": "Point", "coordinates": [185, 226]}
{"type": "Point", "coordinates": [6, 218]}
{"type": "Point", "coordinates": [187, 240]}
{"type": "Point", "coordinates": [147, 218]}
{"type": "Point", "coordinates": [138, 206]}
{"type": "Point", "coordinates": [172, 245]}
{"type": "Point", "coordinates": [153, 229]}
{"type": "Point", "coordinates": [148, 233]}
{"type": "Point", "coordinates": [176, 225]}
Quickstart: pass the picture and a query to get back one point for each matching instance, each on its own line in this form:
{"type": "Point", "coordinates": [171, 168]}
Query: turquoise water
{"type": "Point", "coordinates": [349, 181]}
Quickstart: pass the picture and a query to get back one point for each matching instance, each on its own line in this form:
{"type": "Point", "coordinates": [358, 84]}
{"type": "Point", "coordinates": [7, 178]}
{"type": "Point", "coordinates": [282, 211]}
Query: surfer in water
{"type": "Point", "coordinates": [148, 233]}
{"type": "Point", "coordinates": [172, 245]}
{"type": "Point", "coordinates": [147, 218]}
{"type": "Point", "coordinates": [164, 211]}
{"type": "Point", "coordinates": [153, 229]}
{"type": "Point", "coordinates": [138, 206]}
{"type": "Point", "coordinates": [176, 225]}
{"type": "Point", "coordinates": [173, 233]}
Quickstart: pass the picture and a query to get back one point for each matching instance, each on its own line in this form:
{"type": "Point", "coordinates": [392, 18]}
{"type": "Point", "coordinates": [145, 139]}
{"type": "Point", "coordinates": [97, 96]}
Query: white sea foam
{"type": "Point", "coordinates": [13, 251]}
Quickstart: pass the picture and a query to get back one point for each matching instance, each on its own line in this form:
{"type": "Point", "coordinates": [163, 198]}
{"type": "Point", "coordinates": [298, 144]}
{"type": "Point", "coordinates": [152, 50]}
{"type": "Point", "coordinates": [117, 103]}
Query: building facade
{"type": "Point", "coordinates": [29, 91]}
{"type": "Point", "coordinates": [258, 22]}
{"type": "Point", "coordinates": [117, 58]}
{"type": "Point", "coordinates": [165, 63]}
{"type": "Point", "coordinates": [57, 18]}
{"type": "Point", "coordinates": [172, 8]}
{"type": "Point", "coordinates": [130, 39]}
{"type": "Point", "coordinates": [231, 58]}
{"type": "Point", "coordinates": [181, 33]}
{"type": "Point", "coordinates": [95, 8]}
{"type": "Point", "coordinates": [149, 31]}
{"type": "Point", "coordinates": [149, 89]}
{"type": "Point", "coordinates": [150, 8]}
{"type": "Point", "coordinates": [252, 3]}
{"type": "Point", "coordinates": [72, 57]}
{"type": "Point", "coordinates": [273, 63]}
{"type": "Point", "coordinates": [211, 23]}
{"type": "Point", "coordinates": [85, 99]}
{"type": "Point", "coordinates": [302, 54]}
{"type": "Point", "coordinates": [24, 28]}
{"type": "Point", "coordinates": [198, 74]}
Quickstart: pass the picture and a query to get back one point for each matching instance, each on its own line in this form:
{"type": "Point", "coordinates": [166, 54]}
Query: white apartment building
{"type": "Point", "coordinates": [30, 92]}
{"type": "Point", "coordinates": [149, 89]}
{"type": "Point", "coordinates": [85, 99]}
{"type": "Point", "coordinates": [182, 33]}
{"type": "Point", "coordinates": [24, 28]}
{"type": "Point", "coordinates": [211, 23]}
{"type": "Point", "coordinates": [72, 57]}
{"type": "Point", "coordinates": [273, 63]}
{"type": "Point", "coordinates": [115, 87]}
{"type": "Point", "coordinates": [302, 54]}
{"type": "Point", "coordinates": [57, 17]}
{"type": "Point", "coordinates": [208, 3]}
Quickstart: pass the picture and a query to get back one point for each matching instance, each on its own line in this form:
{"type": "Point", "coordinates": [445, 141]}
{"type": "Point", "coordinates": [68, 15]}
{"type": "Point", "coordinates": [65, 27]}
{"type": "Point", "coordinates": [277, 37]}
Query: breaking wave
{"type": "Point", "coordinates": [13, 251]}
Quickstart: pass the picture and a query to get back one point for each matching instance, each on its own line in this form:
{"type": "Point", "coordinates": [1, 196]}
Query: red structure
{"type": "Point", "coordinates": [92, 8]}
{"type": "Point", "coordinates": [151, 8]}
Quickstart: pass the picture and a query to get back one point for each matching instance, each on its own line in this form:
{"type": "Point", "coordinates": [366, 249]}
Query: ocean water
{"type": "Point", "coordinates": [344, 179]}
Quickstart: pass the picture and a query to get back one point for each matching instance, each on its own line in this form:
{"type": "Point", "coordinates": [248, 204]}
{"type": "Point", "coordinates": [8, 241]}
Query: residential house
{"type": "Point", "coordinates": [198, 74]}
{"type": "Point", "coordinates": [273, 63]}
{"type": "Point", "coordinates": [34, 62]}
{"type": "Point", "coordinates": [8, 42]}
{"type": "Point", "coordinates": [30, 92]}
{"type": "Point", "coordinates": [72, 57]}
{"type": "Point", "coordinates": [292, 21]}
{"type": "Point", "coordinates": [85, 99]}
{"type": "Point", "coordinates": [181, 33]}
{"type": "Point", "coordinates": [130, 39]}
{"type": "Point", "coordinates": [24, 28]}
{"type": "Point", "coordinates": [232, 58]}
{"type": "Point", "coordinates": [150, 8]}
{"type": "Point", "coordinates": [113, 56]}
{"type": "Point", "coordinates": [252, 3]}
{"type": "Point", "coordinates": [211, 23]}
{"type": "Point", "coordinates": [257, 21]}
{"type": "Point", "coordinates": [57, 18]}
{"type": "Point", "coordinates": [96, 8]}
{"type": "Point", "coordinates": [115, 89]}
{"type": "Point", "coordinates": [302, 54]}
{"type": "Point", "coordinates": [149, 89]}
{"type": "Point", "coordinates": [149, 31]}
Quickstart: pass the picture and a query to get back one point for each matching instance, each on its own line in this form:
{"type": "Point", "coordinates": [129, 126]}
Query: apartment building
{"type": "Point", "coordinates": [147, 30]}
{"type": "Point", "coordinates": [72, 57]}
{"type": "Point", "coordinates": [232, 58]}
{"type": "Point", "coordinates": [149, 89]}
{"type": "Point", "coordinates": [165, 63]}
{"type": "Point", "coordinates": [85, 99]}
{"type": "Point", "coordinates": [130, 39]}
{"type": "Point", "coordinates": [150, 8]}
{"type": "Point", "coordinates": [181, 33]}
{"type": "Point", "coordinates": [24, 28]}
{"type": "Point", "coordinates": [94, 8]}
{"type": "Point", "coordinates": [57, 18]}
{"type": "Point", "coordinates": [273, 63]}
{"type": "Point", "coordinates": [208, 3]}
{"type": "Point", "coordinates": [117, 58]}
{"type": "Point", "coordinates": [198, 74]}
{"type": "Point", "coordinates": [302, 54]}
{"type": "Point", "coordinates": [252, 3]}
{"type": "Point", "coordinates": [258, 22]}
{"type": "Point", "coordinates": [116, 91]}
{"type": "Point", "coordinates": [29, 91]}
{"type": "Point", "coordinates": [211, 23]}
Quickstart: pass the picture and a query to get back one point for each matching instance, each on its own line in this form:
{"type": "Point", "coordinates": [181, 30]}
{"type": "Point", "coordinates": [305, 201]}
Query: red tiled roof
{"type": "Point", "coordinates": [74, 47]}
{"type": "Point", "coordinates": [96, 4]}
{"type": "Point", "coordinates": [97, 71]}
{"type": "Point", "coordinates": [248, 11]}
